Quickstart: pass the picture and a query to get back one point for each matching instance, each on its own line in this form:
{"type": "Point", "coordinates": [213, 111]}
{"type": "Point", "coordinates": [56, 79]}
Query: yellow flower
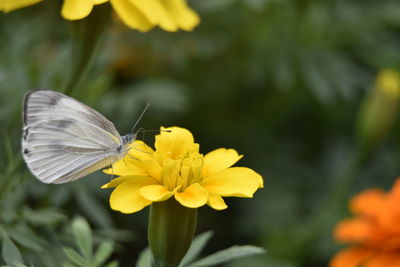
{"type": "Point", "coordinates": [10, 5]}
{"type": "Point", "coordinates": [177, 169]}
{"type": "Point", "coordinates": [143, 15]}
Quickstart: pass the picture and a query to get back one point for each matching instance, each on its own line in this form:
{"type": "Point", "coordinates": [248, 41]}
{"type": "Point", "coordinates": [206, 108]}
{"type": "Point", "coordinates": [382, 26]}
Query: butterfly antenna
{"type": "Point", "coordinates": [140, 117]}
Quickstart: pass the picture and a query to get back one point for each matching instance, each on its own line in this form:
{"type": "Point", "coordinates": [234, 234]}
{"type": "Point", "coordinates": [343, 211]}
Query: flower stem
{"type": "Point", "coordinates": [171, 231]}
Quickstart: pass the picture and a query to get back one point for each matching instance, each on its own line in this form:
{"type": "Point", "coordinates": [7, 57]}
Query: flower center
{"type": "Point", "coordinates": [183, 171]}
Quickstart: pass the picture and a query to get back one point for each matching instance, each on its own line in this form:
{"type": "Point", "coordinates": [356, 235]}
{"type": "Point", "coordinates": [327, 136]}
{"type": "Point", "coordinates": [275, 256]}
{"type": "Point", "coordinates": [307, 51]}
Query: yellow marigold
{"type": "Point", "coordinates": [143, 15]}
{"type": "Point", "coordinates": [176, 168]}
{"type": "Point", "coordinates": [374, 233]}
{"type": "Point", "coordinates": [10, 5]}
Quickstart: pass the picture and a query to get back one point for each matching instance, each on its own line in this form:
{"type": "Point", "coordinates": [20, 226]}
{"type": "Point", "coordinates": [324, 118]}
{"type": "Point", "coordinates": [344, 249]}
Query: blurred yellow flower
{"type": "Point", "coordinates": [10, 5]}
{"type": "Point", "coordinates": [176, 168]}
{"type": "Point", "coordinates": [143, 15]}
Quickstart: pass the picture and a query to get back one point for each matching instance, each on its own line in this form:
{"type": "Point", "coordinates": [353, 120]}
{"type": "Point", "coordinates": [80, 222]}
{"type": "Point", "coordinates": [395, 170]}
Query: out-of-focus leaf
{"type": "Point", "coordinates": [103, 252]}
{"type": "Point", "coordinates": [83, 236]}
{"type": "Point", "coordinates": [95, 212]}
{"type": "Point", "coordinates": [228, 255]}
{"type": "Point", "coordinates": [145, 258]}
{"type": "Point", "coordinates": [74, 257]}
{"type": "Point", "coordinates": [26, 239]}
{"type": "Point", "coordinates": [45, 216]}
{"type": "Point", "coordinates": [197, 246]}
{"type": "Point", "coordinates": [112, 264]}
{"type": "Point", "coordinates": [9, 251]}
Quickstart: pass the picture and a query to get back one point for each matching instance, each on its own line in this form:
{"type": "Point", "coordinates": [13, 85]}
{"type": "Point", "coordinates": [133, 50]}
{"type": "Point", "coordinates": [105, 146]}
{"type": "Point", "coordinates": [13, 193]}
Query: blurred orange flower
{"type": "Point", "coordinates": [374, 233]}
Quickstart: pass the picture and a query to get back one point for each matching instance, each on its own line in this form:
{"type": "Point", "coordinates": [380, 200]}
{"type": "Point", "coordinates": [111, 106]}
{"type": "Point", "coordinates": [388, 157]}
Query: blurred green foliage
{"type": "Point", "coordinates": [281, 81]}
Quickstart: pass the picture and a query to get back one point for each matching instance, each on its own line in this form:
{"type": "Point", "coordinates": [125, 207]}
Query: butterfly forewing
{"type": "Point", "coordinates": [63, 139]}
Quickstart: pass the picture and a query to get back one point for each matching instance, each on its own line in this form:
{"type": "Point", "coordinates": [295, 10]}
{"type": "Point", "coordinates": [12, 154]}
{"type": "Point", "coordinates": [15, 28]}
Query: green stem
{"type": "Point", "coordinates": [87, 33]}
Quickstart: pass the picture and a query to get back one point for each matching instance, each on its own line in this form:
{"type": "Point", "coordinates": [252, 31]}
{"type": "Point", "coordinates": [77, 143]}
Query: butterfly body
{"type": "Point", "coordinates": [64, 140]}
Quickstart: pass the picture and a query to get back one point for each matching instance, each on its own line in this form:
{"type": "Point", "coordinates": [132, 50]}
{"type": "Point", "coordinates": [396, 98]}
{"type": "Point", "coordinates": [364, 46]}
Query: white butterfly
{"type": "Point", "coordinates": [64, 140]}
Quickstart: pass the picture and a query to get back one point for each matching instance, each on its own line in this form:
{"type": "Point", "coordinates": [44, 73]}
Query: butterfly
{"type": "Point", "coordinates": [64, 139]}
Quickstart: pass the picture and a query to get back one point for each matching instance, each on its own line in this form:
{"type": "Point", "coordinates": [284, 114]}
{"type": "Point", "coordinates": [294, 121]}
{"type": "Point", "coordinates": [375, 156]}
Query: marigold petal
{"type": "Point", "coordinates": [184, 16]}
{"type": "Point", "coordinates": [126, 166]}
{"type": "Point", "coordinates": [353, 231]}
{"type": "Point", "coordinates": [384, 259]}
{"type": "Point", "coordinates": [127, 198]}
{"type": "Point", "coordinates": [218, 160]}
{"type": "Point", "coordinates": [11, 5]}
{"type": "Point", "coordinates": [131, 16]}
{"type": "Point", "coordinates": [156, 13]}
{"type": "Point", "coordinates": [233, 182]}
{"type": "Point", "coordinates": [98, 2]}
{"type": "Point", "coordinates": [156, 192]}
{"type": "Point", "coordinates": [192, 197]}
{"type": "Point", "coordinates": [138, 150]}
{"type": "Point", "coordinates": [152, 168]}
{"type": "Point", "coordinates": [133, 178]}
{"type": "Point", "coordinates": [76, 9]}
{"type": "Point", "coordinates": [351, 257]}
{"type": "Point", "coordinates": [174, 141]}
{"type": "Point", "coordinates": [368, 203]}
{"type": "Point", "coordinates": [216, 202]}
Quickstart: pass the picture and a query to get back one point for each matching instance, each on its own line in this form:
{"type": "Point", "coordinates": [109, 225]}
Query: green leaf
{"type": "Point", "coordinates": [83, 236]}
{"type": "Point", "coordinates": [103, 252]}
{"type": "Point", "coordinates": [74, 257]}
{"type": "Point", "coordinates": [228, 255]}
{"type": "Point", "coordinates": [112, 264]}
{"type": "Point", "coordinates": [145, 258]}
{"type": "Point", "coordinates": [9, 251]}
{"type": "Point", "coordinates": [26, 239]}
{"type": "Point", "coordinates": [197, 246]}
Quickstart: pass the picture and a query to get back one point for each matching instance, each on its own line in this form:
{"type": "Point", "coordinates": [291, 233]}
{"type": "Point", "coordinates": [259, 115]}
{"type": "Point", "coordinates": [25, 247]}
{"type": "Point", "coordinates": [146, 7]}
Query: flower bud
{"type": "Point", "coordinates": [171, 231]}
{"type": "Point", "coordinates": [378, 111]}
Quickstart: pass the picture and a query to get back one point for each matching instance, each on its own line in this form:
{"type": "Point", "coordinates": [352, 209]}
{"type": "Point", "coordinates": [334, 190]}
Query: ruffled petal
{"type": "Point", "coordinates": [216, 202]}
{"type": "Point", "coordinates": [152, 168]}
{"type": "Point", "coordinates": [384, 259]}
{"type": "Point", "coordinates": [174, 142]}
{"type": "Point", "coordinates": [354, 231]}
{"type": "Point", "coordinates": [126, 166]}
{"type": "Point", "coordinates": [135, 178]}
{"type": "Point", "coordinates": [11, 5]}
{"type": "Point", "coordinates": [233, 182]}
{"type": "Point", "coordinates": [192, 197]}
{"type": "Point", "coordinates": [184, 17]}
{"type": "Point", "coordinates": [131, 15]}
{"type": "Point", "coordinates": [127, 198]}
{"type": "Point", "coordinates": [219, 159]}
{"type": "Point", "coordinates": [351, 257]}
{"type": "Point", "coordinates": [156, 13]}
{"type": "Point", "coordinates": [368, 203]}
{"type": "Point", "coordinates": [76, 9]}
{"type": "Point", "coordinates": [139, 150]}
{"type": "Point", "coordinates": [156, 192]}
{"type": "Point", "coordinates": [98, 2]}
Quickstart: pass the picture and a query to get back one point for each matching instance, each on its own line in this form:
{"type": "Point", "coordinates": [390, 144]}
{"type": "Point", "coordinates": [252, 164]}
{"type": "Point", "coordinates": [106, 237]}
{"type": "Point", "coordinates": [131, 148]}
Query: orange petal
{"type": "Point", "coordinates": [351, 257]}
{"type": "Point", "coordinates": [353, 231]}
{"type": "Point", "coordinates": [218, 160]}
{"type": "Point", "coordinates": [368, 203]}
{"type": "Point", "coordinates": [384, 259]}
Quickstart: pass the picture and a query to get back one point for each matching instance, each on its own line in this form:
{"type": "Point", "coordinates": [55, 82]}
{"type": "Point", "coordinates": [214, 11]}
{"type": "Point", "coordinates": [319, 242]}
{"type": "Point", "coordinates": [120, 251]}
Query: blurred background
{"type": "Point", "coordinates": [286, 83]}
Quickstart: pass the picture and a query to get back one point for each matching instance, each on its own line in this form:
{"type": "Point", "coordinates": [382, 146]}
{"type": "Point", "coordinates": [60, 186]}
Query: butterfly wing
{"type": "Point", "coordinates": [63, 139]}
